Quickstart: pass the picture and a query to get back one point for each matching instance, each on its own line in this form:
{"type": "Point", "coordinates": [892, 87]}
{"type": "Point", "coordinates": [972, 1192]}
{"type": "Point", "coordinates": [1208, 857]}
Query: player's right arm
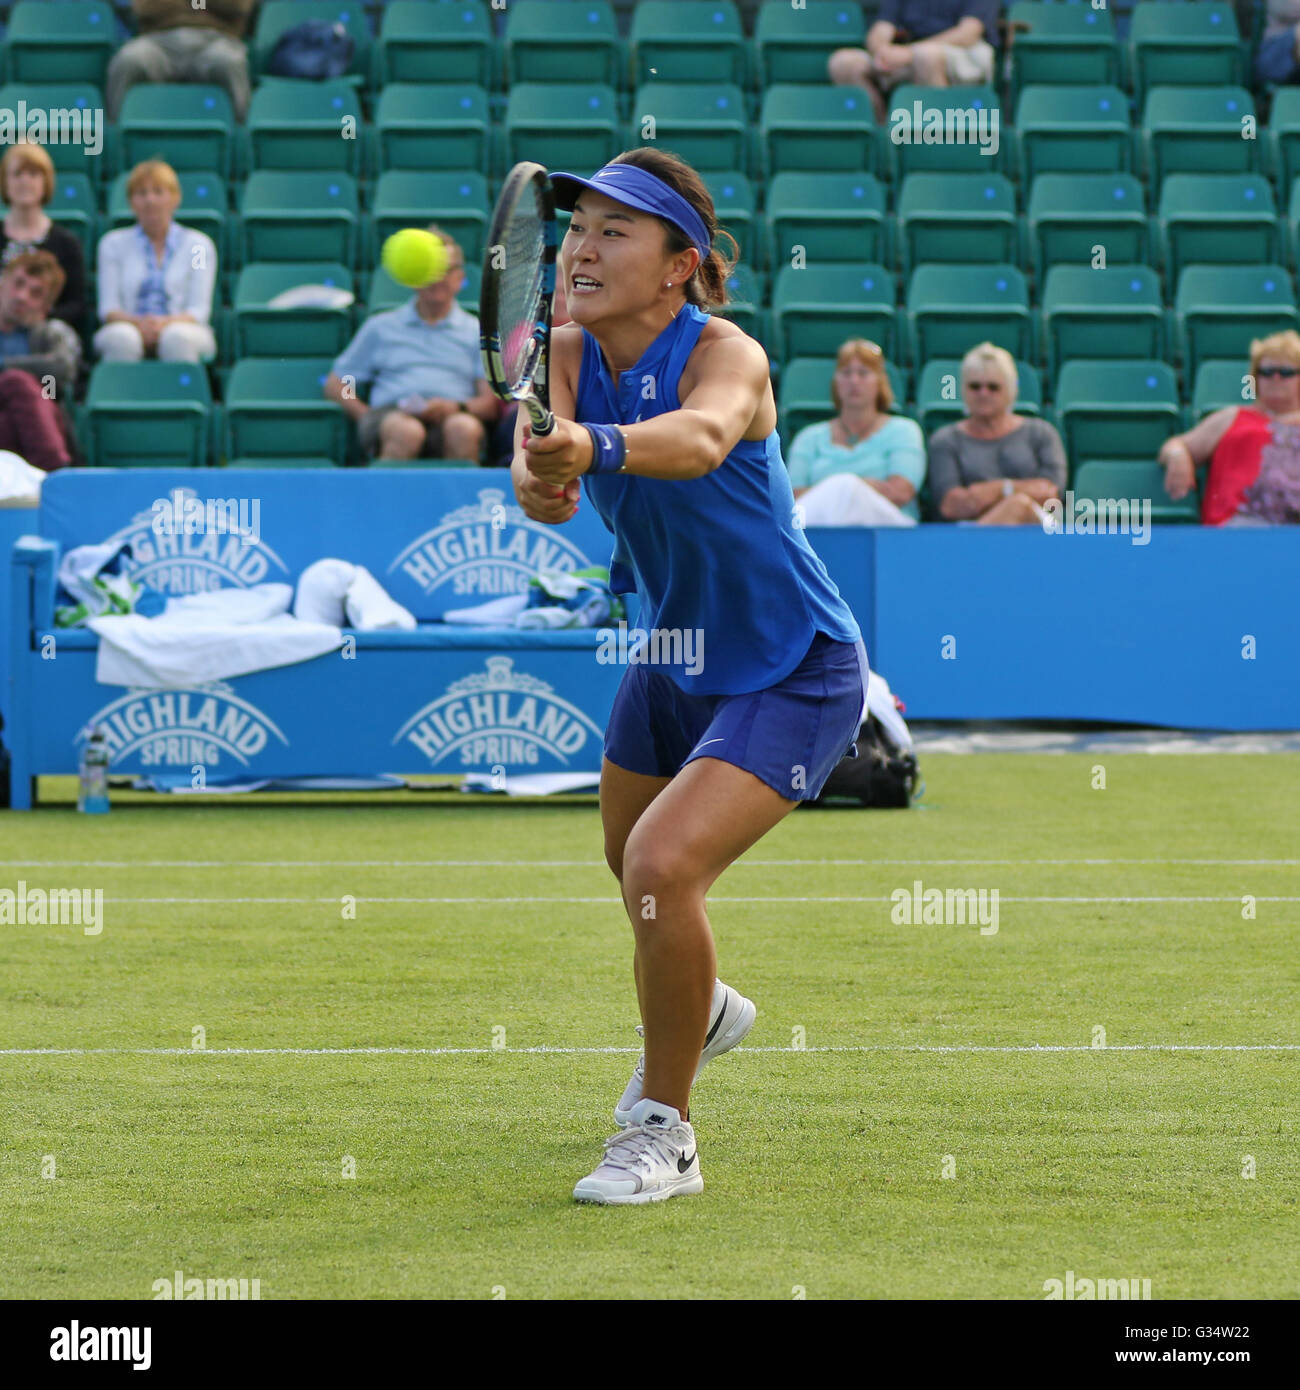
{"type": "Point", "coordinates": [541, 501]}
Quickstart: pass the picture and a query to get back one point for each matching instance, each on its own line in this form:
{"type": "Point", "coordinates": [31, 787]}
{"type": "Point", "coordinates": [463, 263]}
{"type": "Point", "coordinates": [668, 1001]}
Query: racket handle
{"type": "Point", "coordinates": [541, 419]}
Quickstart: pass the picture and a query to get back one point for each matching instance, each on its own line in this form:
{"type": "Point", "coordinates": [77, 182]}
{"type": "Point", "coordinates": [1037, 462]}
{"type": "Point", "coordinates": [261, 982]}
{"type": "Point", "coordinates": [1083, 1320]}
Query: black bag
{"type": "Point", "coordinates": [314, 49]}
{"type": "Point", "coordinates": [882, 774]}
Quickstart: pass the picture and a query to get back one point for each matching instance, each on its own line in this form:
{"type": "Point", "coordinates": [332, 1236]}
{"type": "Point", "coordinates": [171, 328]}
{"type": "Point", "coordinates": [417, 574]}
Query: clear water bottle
{"type": "Point", "coordinates": [92, 783]}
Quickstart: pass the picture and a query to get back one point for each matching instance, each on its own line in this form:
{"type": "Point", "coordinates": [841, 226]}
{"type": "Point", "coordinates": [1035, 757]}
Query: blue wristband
{"type": "Point", "coordinates": [608, 448]}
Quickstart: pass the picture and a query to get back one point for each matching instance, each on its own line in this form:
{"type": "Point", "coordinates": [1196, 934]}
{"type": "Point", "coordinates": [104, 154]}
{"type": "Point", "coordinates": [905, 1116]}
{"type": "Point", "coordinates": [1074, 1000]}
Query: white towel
{"type": "Point", "coordinates": [20, 483]}
{"type": "Point", "coordinates": [208, 637]}
{"type": "Point", "coordinates": [496, 612]}
{"type": "Point", "coordinates": [334, 591]}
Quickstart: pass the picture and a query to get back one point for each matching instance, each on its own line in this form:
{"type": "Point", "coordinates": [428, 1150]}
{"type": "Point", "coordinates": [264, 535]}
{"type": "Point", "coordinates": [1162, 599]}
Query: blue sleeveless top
{"type": "Point", "coordinates": [718, 554]}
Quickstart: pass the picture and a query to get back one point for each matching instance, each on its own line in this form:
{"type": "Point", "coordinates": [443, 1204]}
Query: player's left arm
{"type": "Point", "coordinates": [731, 376]}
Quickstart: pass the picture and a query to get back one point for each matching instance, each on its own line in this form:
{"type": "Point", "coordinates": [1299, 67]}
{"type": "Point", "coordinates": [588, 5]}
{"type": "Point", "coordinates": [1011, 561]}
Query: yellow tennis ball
{"type": "Point", "coordinates": [414, 257]}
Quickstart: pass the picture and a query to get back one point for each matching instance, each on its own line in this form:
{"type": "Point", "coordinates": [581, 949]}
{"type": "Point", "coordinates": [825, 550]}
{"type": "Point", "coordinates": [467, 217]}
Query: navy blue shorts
{"type": "Point", "coordinates": [790, 735]}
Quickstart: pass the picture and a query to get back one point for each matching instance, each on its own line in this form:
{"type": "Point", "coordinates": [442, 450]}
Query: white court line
{"type": "Point", "coordinates": [586, 1051]}
{"type": "Point", "coordinates": [597, 863]}
{"type": "Point", "coordinates": [607, 901]}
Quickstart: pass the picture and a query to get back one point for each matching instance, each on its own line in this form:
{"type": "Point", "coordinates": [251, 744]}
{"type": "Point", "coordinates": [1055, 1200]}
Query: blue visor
{"type": "Point", "coordinates": [640, 189]}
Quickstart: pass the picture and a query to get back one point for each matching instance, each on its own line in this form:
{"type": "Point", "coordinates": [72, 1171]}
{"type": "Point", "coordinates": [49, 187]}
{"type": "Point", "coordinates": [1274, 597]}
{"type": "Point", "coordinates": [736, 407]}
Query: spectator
{"type": "Point", "coordinates": [994, 467]}
{"type": "Point", "coordinates": [863, 467]}
{"type": "Point", "coordinates": [26, 185]}
{"type": "Point", "coordinates": [428, 397]}
{"type": "Point", "coordinates": [1277, 60]}
{"type": "Point", "coordinates": [936, 43]}
{"type": "Point", "coordinates": [1253, 451]}
{"type": "Point", "coordinates": [30, 340]}
{"type": "Point", "coordinates": [156, 278]}
{"type": "Point", "coordinates": [183, 41]}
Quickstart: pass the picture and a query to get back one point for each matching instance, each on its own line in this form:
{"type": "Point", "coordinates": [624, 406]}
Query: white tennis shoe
{"type": "Point", "coordinates": [655, 1157]}
{"type": "Point", "coordinates": [731, 1018]}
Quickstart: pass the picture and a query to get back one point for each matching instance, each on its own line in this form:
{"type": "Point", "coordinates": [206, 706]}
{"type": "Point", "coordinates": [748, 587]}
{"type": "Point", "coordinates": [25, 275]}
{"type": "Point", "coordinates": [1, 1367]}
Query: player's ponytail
{"type": "Point", "coordinates": [707, 288]}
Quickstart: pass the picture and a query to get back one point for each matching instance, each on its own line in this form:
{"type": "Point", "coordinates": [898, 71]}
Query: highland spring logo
{"type": "Point", "coordinates": [182, 728]}
{"type": "Point", "coordinates": [486, 550]}
{"type": "Point", "coordinates": [499, 717]}
{"type": "Point", "coordinates": [955, 125]}
{"type": "Point", "coordinates": [169, 559]}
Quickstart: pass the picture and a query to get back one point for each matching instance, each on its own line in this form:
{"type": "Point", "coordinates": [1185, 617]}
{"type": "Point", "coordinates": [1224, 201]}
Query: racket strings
{"type": "Point", "coordinates": [521, 293]}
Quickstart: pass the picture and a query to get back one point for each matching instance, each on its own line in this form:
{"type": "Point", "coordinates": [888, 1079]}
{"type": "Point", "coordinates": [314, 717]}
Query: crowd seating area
{"type": "Point", "coordinates": [1137, 225]}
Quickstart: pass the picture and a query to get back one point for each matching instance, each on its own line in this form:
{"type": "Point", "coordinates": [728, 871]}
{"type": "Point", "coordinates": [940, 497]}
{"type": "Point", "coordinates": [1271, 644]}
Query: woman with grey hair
{"type": "Point", "coordinates": [994, 467]}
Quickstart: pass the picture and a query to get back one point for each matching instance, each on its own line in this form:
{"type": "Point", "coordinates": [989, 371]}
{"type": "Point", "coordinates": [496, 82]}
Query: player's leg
{"type": "Point", "coordinates": [711, 814]}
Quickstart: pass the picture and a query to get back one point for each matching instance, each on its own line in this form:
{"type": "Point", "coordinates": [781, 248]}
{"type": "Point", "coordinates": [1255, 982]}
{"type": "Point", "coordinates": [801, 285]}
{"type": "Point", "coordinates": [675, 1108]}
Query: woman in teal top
{"type": "Point", "coordinates": [864, 466]}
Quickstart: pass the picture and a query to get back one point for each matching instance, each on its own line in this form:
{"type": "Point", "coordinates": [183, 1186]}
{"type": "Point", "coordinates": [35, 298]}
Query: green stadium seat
{"type": "Point", "coordinates": [1284, 136]}
{"type": "Point", "coordinates": [261, 331]}
{"type": "Point", "coordinates": [458, 203]}
{"type": "Point", "coordinates": [276, 408]}
{"type": "Point", "coordinates": [735, 204]}
{"type": "Point", "coordinates": [805, 394]}
{"type": "Point", "coordinates": [300, 125]}
{"type": "Point", "coordinates": [1073, 130]}
{"type": "Point", "coordinates": [383, 292]}
{"type": "Point", "coordinates": [59, 41]}
{"type": "Point", "coordinates": [1111, 480]}
{"type": "Point", "coordinates": [1218, 309]}
{"type": "Point", "coordinates": [1184, 46]}
{"type": "Point", "coordinates": [939, 399]}
{"type": "Point", "coordinates": [1221, 382]}
{"type": "Point", "coordinates": [203, 206]}
{"type": "Point", "coordinates": [562, 41]}
{"type": "Point", "coordinates": [562, 125]}
{"type": "Point", "coordinates": [967, 110]}
{"type": "Point", "coordinates": [1116, 410]}
{"type": "Point", "coordinates": [1217, 219]}
{"type": "Point", "coordinates": [286, 462]}
{"type": "Point", "coordinates": [1056, 43]}
{"type": "Point", "coordinates": [69, 158]}
{"type": "Point", "coordinates": [283, 212]}
{"type": "Point", "coordinates": [950, 308]}
{"type": "Point", "coordinates": [189, 125]}
{"type": "Point", "coordinates": [274, 17]}
{"type": "Point", "coordinates": [435, 41]}
{"type": "Point", "coordinates": [747, 292]}
{"type": "Point", "coordinates": [824, 128]}
{"type": "Point", "coordinates": [691, 40]}
{"type": "Point", "coordinates": [795, 45]}
{"type": "Point", "coordinates": [833, 217]}
{"type": "Point", "coordinates": [1071, 214]}
{"type": "Point", "coordinates": [1198, 130]}
{"type": "Point", "coordinates": [148, 414]}
{"type": "Point", "coordinates": [816, 309]}
{"type": "Point", "coordinates": [427, 127]}
{"type": "Point", "coordinates": [1114, 311]}
{"type": "Point", "coordinates": [704, 122]}
{"type": "Point", "coordinates": [957, 217]}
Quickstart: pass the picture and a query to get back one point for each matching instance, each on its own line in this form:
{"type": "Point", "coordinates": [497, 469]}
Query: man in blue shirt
{"type": "Point", "coordinates": [428, 397]}
{"type": "Point", "coordinates": [934, 43]}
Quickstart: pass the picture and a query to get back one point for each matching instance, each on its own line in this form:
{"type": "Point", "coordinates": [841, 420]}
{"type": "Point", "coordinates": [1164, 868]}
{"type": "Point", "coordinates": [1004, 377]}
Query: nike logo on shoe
{"type": "Point", "coordinates": [684, 1163]}
{"type": "Point", "coordinates": [656, 1120]}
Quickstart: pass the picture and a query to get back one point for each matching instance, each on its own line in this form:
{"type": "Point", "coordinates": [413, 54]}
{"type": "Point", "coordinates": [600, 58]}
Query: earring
{"type": "Point", "coordinates": [669, 285]}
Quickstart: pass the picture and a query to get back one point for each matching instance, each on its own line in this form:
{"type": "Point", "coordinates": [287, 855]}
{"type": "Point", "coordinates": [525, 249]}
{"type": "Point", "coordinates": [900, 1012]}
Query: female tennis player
{"type": "Point", "coordinates": [666, 415]}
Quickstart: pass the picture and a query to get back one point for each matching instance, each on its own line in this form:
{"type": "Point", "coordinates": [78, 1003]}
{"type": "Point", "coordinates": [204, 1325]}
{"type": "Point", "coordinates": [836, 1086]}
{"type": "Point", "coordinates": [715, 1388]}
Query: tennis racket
{"type": "Point", "coordinates": [517, 289]}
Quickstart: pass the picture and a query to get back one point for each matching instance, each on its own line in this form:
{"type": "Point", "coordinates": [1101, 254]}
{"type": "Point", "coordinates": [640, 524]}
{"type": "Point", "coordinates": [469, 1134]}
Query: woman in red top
{"type": "Point", "coordinates": [1253, 450]}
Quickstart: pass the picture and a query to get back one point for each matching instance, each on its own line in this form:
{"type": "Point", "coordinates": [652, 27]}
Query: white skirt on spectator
{"type": "Point", "coordinates": [178, 342]}
{"type": "Point", "coordinates": [844, 499]}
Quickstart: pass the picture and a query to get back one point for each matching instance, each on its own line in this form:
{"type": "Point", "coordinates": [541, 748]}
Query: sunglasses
{"type": "Point", "coordinates": [984, 386]}
{"type": "Point", "coordinates": [1286, 372]}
